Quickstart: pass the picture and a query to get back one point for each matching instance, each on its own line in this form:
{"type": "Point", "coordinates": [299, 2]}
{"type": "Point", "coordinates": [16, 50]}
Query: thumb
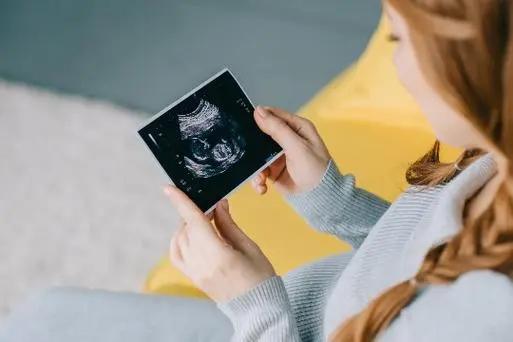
{"type": "Point", "coordinates": [185, 207]}
{"type": "Point", "coordinates": [278, 128]}
{"type": "Point", "coordinates": [228, 229]}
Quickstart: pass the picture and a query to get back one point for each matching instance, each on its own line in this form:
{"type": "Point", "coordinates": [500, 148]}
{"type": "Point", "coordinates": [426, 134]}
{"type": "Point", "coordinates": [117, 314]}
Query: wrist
{"type": "Point", "coordinates": [270, 290]}
{"type": "Point", "coordinates": [322, 174]}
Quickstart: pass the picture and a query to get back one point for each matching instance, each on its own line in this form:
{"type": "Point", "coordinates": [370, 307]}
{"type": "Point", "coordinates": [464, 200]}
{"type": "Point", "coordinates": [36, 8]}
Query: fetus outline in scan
{"type": "Point", "coordinates": [212, 139]}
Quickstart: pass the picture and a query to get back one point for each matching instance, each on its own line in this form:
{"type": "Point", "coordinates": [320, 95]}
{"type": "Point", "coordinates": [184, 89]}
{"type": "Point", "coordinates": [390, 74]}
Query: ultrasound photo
{"type": "Point", "coordinates": [207, 141]}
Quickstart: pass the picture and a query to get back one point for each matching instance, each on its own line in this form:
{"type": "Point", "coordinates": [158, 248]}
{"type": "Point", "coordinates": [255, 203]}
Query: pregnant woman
{"type": "Point", "coordinates": [435, 265]}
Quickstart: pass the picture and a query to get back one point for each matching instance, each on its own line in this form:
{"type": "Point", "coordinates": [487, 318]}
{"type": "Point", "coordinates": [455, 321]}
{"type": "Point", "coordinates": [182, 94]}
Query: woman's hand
{"type": "Point", "coordinates": [306, 156]}
{"type": "Point", "coordinates": [221, 260]}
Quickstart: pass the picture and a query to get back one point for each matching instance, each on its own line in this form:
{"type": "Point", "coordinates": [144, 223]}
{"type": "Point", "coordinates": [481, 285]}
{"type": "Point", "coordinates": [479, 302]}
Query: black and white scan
{"type": "Point", "coordinates": [208, 142]}
{"type": "Point", "coordinates": [214, 141]}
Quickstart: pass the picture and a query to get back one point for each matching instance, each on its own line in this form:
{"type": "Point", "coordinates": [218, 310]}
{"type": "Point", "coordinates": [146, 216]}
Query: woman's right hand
{"type": "Point", "coordinates": [306, 157]}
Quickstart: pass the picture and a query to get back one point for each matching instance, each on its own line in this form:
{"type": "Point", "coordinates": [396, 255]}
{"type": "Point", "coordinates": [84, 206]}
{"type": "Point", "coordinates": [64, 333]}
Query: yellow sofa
{"type": "Point", "coordinates": [373, 130]}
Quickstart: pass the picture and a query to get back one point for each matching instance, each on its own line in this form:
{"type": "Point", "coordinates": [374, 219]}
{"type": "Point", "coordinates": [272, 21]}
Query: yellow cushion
{"type": "Point", "coordinates": [373, 130]}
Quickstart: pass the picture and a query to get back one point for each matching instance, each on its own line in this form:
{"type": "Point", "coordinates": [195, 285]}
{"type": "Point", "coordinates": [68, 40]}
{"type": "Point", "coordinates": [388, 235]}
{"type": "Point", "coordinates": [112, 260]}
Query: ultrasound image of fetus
{"type": "Point", "coordinates": [212, 138]}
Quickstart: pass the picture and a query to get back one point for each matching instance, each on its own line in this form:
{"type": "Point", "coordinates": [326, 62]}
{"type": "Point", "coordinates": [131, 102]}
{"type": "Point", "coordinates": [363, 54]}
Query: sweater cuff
{"type": "Point", "coordinates": [258, 300]}
{"type": "Point", "coordinates": [324, 200]}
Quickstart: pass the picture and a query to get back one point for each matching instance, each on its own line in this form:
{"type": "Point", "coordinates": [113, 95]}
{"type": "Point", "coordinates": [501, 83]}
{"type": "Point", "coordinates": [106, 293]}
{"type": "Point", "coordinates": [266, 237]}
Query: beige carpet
{"type": "Point", "coordinates": [80, 196]}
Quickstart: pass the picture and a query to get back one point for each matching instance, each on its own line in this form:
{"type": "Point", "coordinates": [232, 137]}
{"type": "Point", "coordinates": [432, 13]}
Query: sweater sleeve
{"type": "Point", "coordinates": [336, 206]}
{"type": "Point", "coordinates": [262, 314]}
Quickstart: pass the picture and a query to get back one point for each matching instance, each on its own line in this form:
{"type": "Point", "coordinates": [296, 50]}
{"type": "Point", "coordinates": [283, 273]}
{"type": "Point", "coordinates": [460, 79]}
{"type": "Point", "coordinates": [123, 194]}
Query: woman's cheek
{"type": "Point", "coordinates": [410, 75]}
{"type": "Point", "coordinates": [402, 67]}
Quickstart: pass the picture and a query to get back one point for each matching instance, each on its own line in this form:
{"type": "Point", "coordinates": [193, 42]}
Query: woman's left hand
{"type": "Point", "coordinates": [219, 259]}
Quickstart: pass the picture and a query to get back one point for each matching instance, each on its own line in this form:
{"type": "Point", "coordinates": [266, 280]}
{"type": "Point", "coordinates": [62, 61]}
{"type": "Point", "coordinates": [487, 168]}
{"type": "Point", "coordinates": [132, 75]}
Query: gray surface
{"type": "Point", "coordinates": [65, 315]}
{"type": "Point", "coordinates": [143, 54]}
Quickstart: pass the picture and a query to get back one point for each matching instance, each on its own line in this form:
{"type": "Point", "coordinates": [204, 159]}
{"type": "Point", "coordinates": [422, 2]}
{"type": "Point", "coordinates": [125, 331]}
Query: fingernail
{"type": "Point", "coordinates": [261, 111]}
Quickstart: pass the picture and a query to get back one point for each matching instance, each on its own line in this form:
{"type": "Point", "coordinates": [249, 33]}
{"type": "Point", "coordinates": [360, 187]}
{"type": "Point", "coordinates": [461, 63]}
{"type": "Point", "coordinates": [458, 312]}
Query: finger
{"type": "Point", "coordinates": [259, 178]}
{"type": "Point", "coordinates": [277, 169]}
{"type": "Point", "coordinates": [259, 186]}
{"type": "Point", "coordinates": [196, 221]}
{"type": "Point", "coordinates": [256, 181]}
{"type": "Point", "coordinates": [262, 189]}
{"type": "Point", "coordinates": [229, 229]}
{"type": "Point", "coordinates": [299, 124]}
{"type": "Point", "coordinates": [254, 185]}
{"type": "Point", "coordinates": [186, 208]}
{"type": "Point", "coordinates": [265, 172]}
{"type": "Point", "coordinates": [279, 129]}
{"type": "Point", "coordinates": [263, 175]}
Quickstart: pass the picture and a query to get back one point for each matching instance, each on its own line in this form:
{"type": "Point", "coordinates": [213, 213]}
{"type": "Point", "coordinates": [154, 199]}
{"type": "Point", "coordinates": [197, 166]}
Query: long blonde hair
{"type": "Point", "coordinates": [465, 49]}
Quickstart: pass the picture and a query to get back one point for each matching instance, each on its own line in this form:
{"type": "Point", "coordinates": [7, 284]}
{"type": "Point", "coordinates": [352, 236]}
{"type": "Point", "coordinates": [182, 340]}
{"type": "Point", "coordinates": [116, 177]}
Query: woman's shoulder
{"type": "Point", "coordinates": [478, 280]}
{"type": "Point", "coordinates": [483, 292]}
{"type": "Point", "coordinates": [478, 306]}
{"type": "Point", "coordinates": [475, 292]}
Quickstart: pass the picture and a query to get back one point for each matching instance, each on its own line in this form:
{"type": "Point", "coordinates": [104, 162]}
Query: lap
{"type": "Point", "coordinates": [308, 287]}
{"type": "Point", "coordinates": [66, 314]}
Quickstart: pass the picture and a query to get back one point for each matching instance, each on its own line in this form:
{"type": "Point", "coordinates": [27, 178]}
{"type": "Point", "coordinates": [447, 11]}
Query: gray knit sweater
{"type": "Point", "coordinates": [389, 244]}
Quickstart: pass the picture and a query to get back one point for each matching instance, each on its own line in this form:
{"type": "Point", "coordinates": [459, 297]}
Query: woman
{"type": "Point", "coordinates": [434, 265]}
